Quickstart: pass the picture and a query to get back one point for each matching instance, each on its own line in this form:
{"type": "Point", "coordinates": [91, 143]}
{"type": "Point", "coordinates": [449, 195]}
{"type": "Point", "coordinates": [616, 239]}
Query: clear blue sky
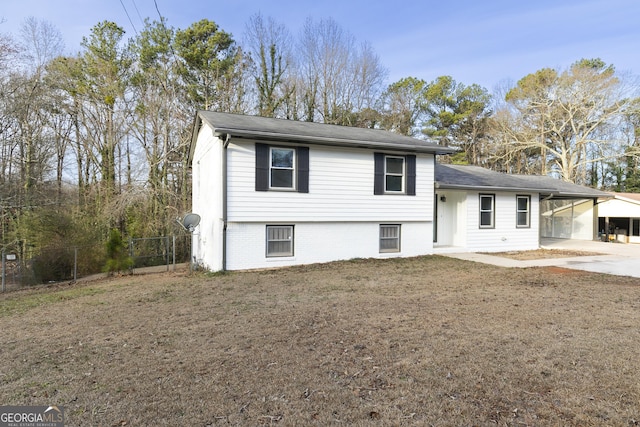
{"type": "Point", "coordinates": [484, 42]}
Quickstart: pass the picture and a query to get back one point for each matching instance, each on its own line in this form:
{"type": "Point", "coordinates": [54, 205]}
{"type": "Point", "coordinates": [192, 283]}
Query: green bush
{"type": "Point", "coordinates": [118, 259]}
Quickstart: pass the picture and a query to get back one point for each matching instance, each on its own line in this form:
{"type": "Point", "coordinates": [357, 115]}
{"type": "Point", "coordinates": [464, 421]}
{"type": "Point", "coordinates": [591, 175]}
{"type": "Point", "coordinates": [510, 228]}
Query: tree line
{"type": "Point", "coordinates": [98, 140]}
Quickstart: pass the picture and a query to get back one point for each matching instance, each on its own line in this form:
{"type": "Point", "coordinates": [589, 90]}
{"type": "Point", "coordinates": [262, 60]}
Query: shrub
{"type": "Point", "coordinates": [118, 259]}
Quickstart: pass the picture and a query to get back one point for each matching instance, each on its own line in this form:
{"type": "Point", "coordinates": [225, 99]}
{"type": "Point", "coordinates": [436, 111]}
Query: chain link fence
{"type": "Point", "coordinates": [68, 264]}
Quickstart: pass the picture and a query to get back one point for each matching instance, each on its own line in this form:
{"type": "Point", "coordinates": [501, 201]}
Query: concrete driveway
{"type": "Point", "coordinates": [617, 258]}
{"type": "Point", "coordinates": [609, 258]}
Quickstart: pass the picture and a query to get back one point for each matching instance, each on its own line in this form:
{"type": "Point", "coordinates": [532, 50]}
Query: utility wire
{"type": "Point", "coordinates": [137, 11]}
{"type": "Point", "coordinates": [127, 13]}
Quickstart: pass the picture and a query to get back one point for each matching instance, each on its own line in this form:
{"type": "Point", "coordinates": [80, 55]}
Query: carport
{"type": "Point", "coordinates": [619, 218]}
{"type": "Point", "coordinates": [567, 210]}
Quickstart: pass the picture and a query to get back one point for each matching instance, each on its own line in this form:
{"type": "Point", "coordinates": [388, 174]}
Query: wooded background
{"type": "Point", "coordinates": [98, 140]}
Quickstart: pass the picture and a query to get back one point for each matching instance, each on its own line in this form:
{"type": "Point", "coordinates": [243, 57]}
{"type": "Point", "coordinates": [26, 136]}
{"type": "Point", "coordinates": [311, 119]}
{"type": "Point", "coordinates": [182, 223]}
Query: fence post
{"type": "Point", "coordinates": [75, 264]}
{"type": "Point", "coordinates": [166, 247]}
{"type": "Point", "coordinates": [173, 251]}
{"type": "Point", "coordinates": [131, 254]}
{"type": "Point", "coordinates": [4, 265]}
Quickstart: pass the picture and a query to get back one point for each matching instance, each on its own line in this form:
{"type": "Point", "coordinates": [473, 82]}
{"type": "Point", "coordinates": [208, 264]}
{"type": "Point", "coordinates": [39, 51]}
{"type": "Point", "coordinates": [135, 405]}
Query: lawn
{"type": "Point", "coordinates": [424, 341]}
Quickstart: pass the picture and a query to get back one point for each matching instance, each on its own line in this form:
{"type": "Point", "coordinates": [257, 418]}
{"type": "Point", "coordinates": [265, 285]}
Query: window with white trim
{"type": "Point", "coordinates": [523, 211]}
{"type": "Point", "coordinates": [487, 210]}
{"type": "Point", "coordinates": [394, 174]}
{"type": "Point", "coordinates": [279, 240]}
{"type": "Point", "coordinates": [282, 168]}
{"type": "Point", "coordinates": [389, 238]}
{"type": "Point", "coordinates": [282, 171]}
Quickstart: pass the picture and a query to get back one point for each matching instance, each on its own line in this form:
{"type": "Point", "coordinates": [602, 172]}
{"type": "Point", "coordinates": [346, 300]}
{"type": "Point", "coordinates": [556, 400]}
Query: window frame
{"type": "Point", "coordinates": [492, 211]}
{"type": "Point", "coordinates": [397, 238]}
{"type": "Point", "coordinates": [402, 175]}
{"type": "Point", "coordinates": [526, 211]}
{"type": "Point", "coordinates": [290, 239]}
{"type": "Point", "coordinates": [263, 163]}
{"type": "Point", "coordinates": [409, 179]}
{"type": "Point", "coordinates": [292, 168]}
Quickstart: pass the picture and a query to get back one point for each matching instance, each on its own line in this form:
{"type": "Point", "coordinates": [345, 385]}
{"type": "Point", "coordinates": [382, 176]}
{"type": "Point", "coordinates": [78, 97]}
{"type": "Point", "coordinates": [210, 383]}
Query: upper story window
{"type": "Point", "coordinates": [282, 168]}
{"type": "Point", "coordinates": [523, 211]}
{"type": "Point", "coordinates": [487, 210]}
{"type": "Point", "coordinates": [394, 174]}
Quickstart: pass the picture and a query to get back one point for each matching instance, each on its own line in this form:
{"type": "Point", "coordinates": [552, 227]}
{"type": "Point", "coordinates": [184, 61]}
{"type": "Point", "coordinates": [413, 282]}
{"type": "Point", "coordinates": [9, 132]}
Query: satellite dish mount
{"type": "Point", "coordinates": [190, 222]}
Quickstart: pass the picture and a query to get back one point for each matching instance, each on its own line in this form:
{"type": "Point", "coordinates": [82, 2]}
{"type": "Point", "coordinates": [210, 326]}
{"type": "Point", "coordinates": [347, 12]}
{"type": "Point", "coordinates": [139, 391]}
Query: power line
{"type": "Point", "coordinates": [127, 13]}
{"type": "Point", "coordinates": [137, 11]}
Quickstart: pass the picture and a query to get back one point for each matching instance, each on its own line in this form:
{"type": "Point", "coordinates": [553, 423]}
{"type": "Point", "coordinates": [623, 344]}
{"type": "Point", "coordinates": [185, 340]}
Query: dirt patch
{"type": "Point", "coordinates": [424, 341]}
{"type": "Point", "coordinates": [543, 254]}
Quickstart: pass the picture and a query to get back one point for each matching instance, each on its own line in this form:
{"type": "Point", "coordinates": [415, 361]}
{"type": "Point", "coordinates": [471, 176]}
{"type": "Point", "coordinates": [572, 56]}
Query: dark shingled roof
{"type": "Point", "coordinates": [478, 178]}
{"type": "Point", "coordinates": [269, 129]}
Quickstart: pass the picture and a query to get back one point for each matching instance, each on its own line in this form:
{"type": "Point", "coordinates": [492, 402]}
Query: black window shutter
{"type": "Point", "coordinates": [378, 172]}
{"type": "Point", "coordinates": [303, 169]}
{"type": "Point", "coordinates": [262, 167]}
{"type": "Point", "coordinates": [411, 175]}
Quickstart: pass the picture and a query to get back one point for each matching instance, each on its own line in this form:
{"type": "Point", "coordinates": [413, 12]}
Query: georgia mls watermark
{"type": "Point", "coordinates": [31, 416]}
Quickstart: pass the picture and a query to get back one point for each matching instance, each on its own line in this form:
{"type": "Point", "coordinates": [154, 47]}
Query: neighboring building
{"type": "Point", "coordinates": [274, 193]}
{"type": "Point", "coordinates": [482, 210]}
{"type": "Point", "coordinates": [619, 218]}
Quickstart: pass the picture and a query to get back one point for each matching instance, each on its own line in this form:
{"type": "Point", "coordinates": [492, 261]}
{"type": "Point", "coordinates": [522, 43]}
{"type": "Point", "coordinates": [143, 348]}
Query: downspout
{"type": "Point", "coordinates": [225, 139]}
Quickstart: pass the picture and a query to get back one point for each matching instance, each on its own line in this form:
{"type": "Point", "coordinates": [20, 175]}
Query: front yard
{"type": "Point", "coordinates": [428, 341]}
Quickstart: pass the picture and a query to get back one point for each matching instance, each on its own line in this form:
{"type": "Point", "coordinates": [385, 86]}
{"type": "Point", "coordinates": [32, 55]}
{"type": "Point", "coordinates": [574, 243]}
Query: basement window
{"type": "Point", "coordinates": [279, 240]}
{"type": "Point", "coordinates": [389, 238]}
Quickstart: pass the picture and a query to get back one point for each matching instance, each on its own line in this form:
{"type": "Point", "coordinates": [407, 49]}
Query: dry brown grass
{"type": "Point", "coordinates": [424, 341]}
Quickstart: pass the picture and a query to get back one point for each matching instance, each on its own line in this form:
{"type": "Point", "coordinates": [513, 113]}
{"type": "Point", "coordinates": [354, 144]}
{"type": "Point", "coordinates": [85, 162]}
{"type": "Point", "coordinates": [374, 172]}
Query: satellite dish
{"type": "Point", "coordinates": [190, 221]}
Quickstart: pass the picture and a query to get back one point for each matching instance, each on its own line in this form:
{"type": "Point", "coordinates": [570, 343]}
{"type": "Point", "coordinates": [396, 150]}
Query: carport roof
{"type": "Point", "coordinates": [478, 178]}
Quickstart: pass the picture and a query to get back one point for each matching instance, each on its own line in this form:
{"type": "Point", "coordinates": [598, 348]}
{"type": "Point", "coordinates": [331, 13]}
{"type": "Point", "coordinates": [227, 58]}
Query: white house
{"type": "Point", "coordinates": [274, 192]}
{"type": "Point", "coordinates": [482, 210]}
{"type": "Point", "coordinates": [620, 217]}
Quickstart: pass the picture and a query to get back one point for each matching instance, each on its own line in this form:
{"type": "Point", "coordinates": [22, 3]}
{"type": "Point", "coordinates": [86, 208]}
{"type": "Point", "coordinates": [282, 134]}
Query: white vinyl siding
{"type": "Point", "coordinates": [389, 238]}
{"type": "Point", "coordinates": [340, 189]}
{"type": "Point", "coordinates": [505, 236]}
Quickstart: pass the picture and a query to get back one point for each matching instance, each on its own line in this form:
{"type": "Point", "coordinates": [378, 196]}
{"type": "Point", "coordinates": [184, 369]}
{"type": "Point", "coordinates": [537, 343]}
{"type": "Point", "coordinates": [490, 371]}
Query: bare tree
{"type": "Point", "coordinates": [270, 49]}
{"type": "Point", "coordinates": [41, 42]}
{"type": "Point", "coordinates": [564, 122]}
{"type": "Point", "coordinates": [340, 79]}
